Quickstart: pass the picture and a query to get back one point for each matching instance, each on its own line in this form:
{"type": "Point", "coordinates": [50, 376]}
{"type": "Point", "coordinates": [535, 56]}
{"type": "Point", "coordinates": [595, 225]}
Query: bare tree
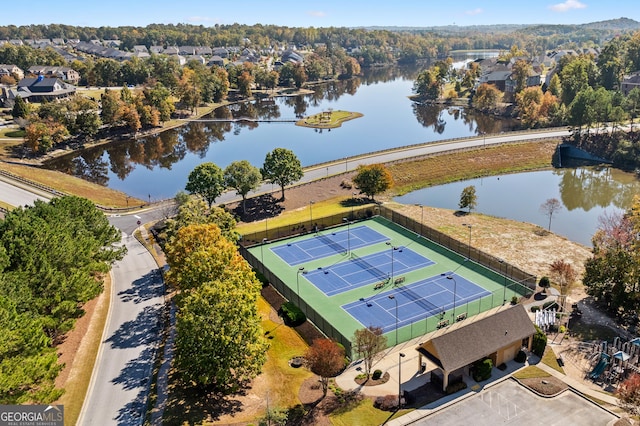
{"type": "Point", "coordinates": [549, 207]}
{"type": "Point", "coordinates": [368, 343]}
{"type": "Point", "coordinates": [564, 274]}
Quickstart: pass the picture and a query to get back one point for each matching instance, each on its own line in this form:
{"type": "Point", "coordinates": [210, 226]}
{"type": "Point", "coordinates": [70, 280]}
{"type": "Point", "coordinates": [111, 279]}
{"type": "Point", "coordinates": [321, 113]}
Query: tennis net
{"type": "Point", "coordinates": [421, 301]}
{"type": "Point", "coordinates": [328, 241]}
{"type": "Point", "coordinates": [369, 267]}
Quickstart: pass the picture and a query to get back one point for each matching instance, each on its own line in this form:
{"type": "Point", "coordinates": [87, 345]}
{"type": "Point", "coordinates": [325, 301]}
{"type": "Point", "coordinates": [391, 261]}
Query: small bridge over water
{"type": "Point", "coordinates": [240, 119]}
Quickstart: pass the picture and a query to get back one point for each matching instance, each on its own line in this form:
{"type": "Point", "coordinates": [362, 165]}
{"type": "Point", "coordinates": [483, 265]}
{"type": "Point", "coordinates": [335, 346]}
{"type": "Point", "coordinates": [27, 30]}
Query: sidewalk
{"type": "Point", "coordinates": [580, 387]}
{"type": "Point", "coordinates": [412, 378]}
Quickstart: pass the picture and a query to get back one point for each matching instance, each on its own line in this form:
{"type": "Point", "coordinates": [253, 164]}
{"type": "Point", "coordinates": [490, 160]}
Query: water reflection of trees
{"type": "Point", "coordinates": [171, 146]}
{"type": "Point", "coordinates": [436, 116]}
{"type": "Point", "coordinates": [587, 188]}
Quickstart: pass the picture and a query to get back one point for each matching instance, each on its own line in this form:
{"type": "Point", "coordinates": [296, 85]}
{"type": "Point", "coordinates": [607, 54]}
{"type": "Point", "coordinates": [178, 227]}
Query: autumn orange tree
{"type": "Point", "coordinates": [486, 97]}
{"type": "Point", "coordinates": [219, 340]}
{"type": "Point", "coordinates": [326, 359]}
{"type": "Point", "coordinates": [629, 394]}
{"type": "Point", "coordinates": [42, 135]}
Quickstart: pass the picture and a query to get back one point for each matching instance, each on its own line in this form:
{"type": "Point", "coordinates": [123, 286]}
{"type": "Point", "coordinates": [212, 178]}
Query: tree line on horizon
{"type": "Point", "coordinates": [378, 45]}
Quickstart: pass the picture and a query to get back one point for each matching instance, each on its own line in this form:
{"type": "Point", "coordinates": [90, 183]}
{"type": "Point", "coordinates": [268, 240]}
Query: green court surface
{"type": "Point", "coordinates": [327, 312]}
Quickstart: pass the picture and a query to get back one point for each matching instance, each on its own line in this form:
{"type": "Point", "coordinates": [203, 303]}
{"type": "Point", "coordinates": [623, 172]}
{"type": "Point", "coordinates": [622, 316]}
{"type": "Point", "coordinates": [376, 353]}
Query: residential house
{"type": "Point", "coordinates": [291, 56]}
{"type": "Point", "coordinates": [497, 334]}
{"type": "Point", "coordinates": [498, 79]}
{"type": "Point", "coordinates": [197, 58]}
{"type": "Point", "coordinates": [140, 48]}
{"type": "Point", "coordinates": [57, 41]}
{"type": "Point", "coordinates": [16, 42]}
{"type": "Point", "coordinates": [629, 82]}
{"type": "Point", "coordinates": [64, 73]}
{"type": "Point", "coordinates": [38, 89]}
{"type": "Point", "coordinates": [156, 50]}
{"type": "Point", "coordinates": [42, 42]}
{"type": "Point", "coordinates": [220, 51]}
{"type": "Point", "coordinates": [12, 70]}
{"type": "Point", "coordinates": [215, 60]}
{"type": "Point", "coordinates": [111, 43]}
{"type": "Point", "coordinates": [204, 51]}
{"type": "Point", "coordinates": [186, 50]}
{"type": "Point", "coordinates": [171, 50]}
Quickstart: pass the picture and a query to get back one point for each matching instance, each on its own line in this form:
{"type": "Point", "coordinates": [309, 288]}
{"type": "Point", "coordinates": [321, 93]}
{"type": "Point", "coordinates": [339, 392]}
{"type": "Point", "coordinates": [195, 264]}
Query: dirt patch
{"type": "Point", "coordinates": [546, 386]}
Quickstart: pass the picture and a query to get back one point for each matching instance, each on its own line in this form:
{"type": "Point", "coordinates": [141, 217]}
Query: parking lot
{"type": "Point", "coordinates": [509, 403]}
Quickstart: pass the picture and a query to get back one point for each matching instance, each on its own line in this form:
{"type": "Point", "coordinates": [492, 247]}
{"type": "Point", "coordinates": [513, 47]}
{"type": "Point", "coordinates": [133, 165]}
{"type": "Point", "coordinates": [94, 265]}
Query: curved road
{"type": "Point", "coordinates": [119, 387]}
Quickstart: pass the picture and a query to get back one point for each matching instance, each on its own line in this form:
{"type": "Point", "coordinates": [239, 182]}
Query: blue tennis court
{"type": "Point", "coordinates": [360, 271]}
{"type": "Point", "coordinates": [416, 301]}
{"type": "Point", "coordinates": [324, 244]}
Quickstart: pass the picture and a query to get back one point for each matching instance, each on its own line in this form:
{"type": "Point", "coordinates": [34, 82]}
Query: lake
{"type": "Point", "coordinates": [158, 166]}
{"type": "Point", "coordinates": [586, 193]}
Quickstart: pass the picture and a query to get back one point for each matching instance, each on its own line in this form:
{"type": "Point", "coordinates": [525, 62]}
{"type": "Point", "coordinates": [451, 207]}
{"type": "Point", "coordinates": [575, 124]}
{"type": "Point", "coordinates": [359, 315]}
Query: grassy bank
{"type": "Point", "coordinates": [452, 167]}
{"type": "Point", "coordinates": [68, 184]}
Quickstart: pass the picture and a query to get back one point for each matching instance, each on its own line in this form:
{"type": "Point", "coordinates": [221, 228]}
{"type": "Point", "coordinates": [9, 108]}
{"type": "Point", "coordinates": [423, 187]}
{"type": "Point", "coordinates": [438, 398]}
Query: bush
{"type": "Point", "coordinates": [544, 283]}
{"type": "Point", "coordinates": [386, 403]}
{"type": "Point", "coordinates": [539, 342]}
{"type": "Point", "coordinates": [377, 374]}
{"type": "Point", "coordinates": [562, 329]}
{"type": "Point", "coordinates": [291, 314]}
{"type": "Point", "coordinates": [514, 300]}
{"type": "Point", "coordinates": [455, 387]}
{"type": "Point", "coordinates": [535, 308]}
{"type": "Point", "coordinates": [482, 370]}
{"type": "Point", "coordinates": [520, 357]}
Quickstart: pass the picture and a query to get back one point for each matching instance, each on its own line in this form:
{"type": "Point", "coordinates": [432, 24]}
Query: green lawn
{"type": "Point", "coordinates": [329, 120]}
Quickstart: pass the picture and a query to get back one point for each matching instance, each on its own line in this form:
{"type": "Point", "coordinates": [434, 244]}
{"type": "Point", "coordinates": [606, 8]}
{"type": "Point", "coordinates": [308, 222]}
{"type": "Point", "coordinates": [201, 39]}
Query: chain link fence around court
{"type": "Point", "coordinates": [463, 249]}
{"type": "Point", "coordinates": [288, 293]}
{"type": "Point", "coordinates": [516, 281]}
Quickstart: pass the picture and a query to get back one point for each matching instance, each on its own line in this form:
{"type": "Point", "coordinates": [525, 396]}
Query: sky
{"type": "Point", "coordinates": [323, 13]}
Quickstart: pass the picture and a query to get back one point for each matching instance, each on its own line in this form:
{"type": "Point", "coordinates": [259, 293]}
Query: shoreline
{"type": "Point", "coordinates": [172, 124]}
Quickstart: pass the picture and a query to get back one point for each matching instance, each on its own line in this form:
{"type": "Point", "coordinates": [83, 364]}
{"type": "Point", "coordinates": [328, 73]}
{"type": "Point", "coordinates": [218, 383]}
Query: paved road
{"type": "Point", "coordinates": [119, 386]}
{"type": "Point", "coordinates": [18, 196]}
{"type": "Point", "coordinates": [348, 164]}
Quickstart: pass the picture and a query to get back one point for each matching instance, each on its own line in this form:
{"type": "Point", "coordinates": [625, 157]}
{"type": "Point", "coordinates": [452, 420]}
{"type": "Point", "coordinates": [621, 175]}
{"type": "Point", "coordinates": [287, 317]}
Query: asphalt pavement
{"type": "Point", "coordinates": [119, 387]}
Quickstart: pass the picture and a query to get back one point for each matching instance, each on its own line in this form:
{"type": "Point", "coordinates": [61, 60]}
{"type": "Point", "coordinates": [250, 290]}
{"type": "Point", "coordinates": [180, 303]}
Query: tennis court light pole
{"type": "Point", "coordinates": [344, 219]}
{"type": "Point", "coordinates": [468, 225]}
{"type": "Point", "coordinates": [393, 248]}
{"type": "Point", "coordinates": [504, 294]}
{"type": "Point", "coordinates": [264, 240]}
{"type": "Point", "coordinates": [311, 202]}
{"type": "Point", "coordinates": [400, 356]}
{"type": "Point", "coordinates": [300, 269]}
{"type": "Point", "coordinates": [421, 217]}
{"type": "Point", "coordinates": [455, 284]}
{"type": "Point", "coordinates": [392, 297]}
{"type": "Point", "coordinates": [353, 203]}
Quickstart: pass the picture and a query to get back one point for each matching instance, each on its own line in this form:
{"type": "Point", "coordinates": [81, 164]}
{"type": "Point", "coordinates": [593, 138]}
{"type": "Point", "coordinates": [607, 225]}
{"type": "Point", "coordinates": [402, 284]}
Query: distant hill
{"type": "Point", "coordinates": [620, 24]}
{"type": "Point", "coordinates": [624, 24]}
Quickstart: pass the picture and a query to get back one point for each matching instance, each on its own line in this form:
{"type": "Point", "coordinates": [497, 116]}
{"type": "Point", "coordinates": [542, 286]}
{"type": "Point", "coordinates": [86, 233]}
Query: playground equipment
{"type": "Point", "coordinates": [600, 367]}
